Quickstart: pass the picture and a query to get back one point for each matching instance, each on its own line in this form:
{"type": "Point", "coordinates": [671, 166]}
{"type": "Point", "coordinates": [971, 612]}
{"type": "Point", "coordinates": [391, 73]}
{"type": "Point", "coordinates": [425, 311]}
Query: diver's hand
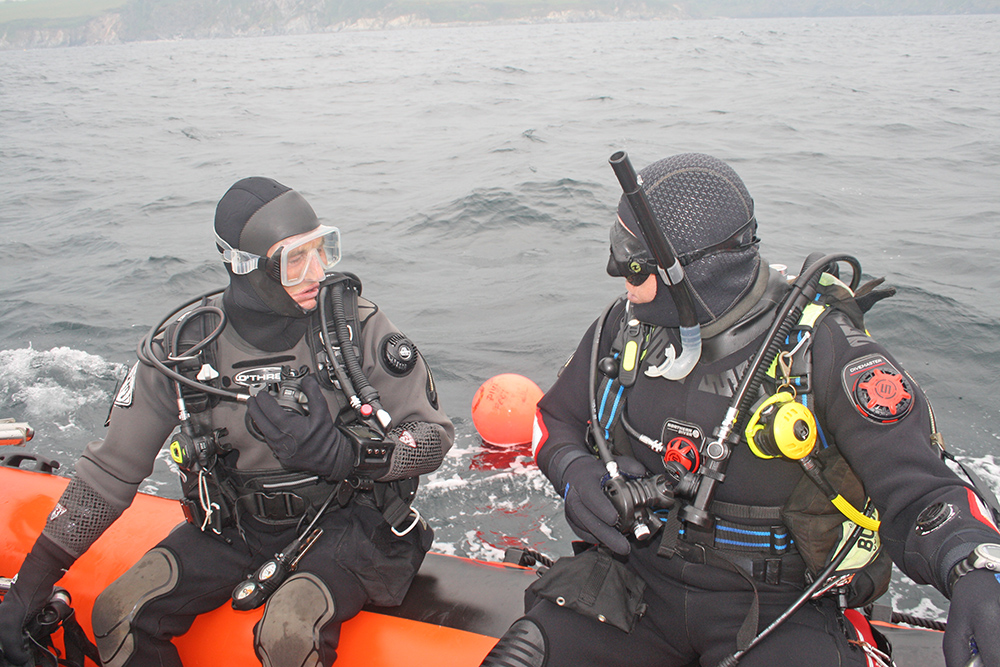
{"type": "Point", "coordinates": [974, 615]}
{"type": "Point", "coordinates": [44, 565]}
{"type": "Point", "coordinates": [304, 442]}
{"type": "Point", "coordinates": [588, 511]}
{"type": "Point", "coordinates": [13, 639]}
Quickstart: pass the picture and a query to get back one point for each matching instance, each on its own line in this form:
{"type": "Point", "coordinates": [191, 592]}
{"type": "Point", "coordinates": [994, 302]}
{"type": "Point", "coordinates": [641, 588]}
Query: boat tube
{"type": "Point", "coordinates": [454, 613]}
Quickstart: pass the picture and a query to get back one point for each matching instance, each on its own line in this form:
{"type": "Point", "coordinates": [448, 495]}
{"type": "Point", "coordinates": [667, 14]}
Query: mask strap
{"type": "Point", "coordinates": [242, 262]}
{"type": "Point", "coordinates": [731, 243]}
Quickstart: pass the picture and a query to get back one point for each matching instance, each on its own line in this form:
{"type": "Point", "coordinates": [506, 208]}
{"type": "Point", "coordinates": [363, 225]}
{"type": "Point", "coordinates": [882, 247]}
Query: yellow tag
{"type": "Point", "coordinates": [630, 355]}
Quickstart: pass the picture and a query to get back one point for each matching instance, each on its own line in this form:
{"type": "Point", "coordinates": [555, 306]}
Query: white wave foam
{"type": "Point", "coordinates": [987, 468]}
{"type": "Point", "coordinates": [54, 384]}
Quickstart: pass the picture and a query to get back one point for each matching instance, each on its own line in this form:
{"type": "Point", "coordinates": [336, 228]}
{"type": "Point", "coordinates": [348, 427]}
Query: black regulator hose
{"type": "Point", "coordinates": [338, 369]}
{"type": "Point", "coordinates": [716, 454]}
{"type": "Point", "coordinates": [146, 354]}
{"type": "Point", "coordinates": [595, 427]}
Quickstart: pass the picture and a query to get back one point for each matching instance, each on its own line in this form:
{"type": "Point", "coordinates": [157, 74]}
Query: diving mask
{"type": "Point", "coordinates": [290, 263]}
{"type": "Point", "coordinates": [631, 260]}
{"type": "Point", "coordinates": [629, 257]}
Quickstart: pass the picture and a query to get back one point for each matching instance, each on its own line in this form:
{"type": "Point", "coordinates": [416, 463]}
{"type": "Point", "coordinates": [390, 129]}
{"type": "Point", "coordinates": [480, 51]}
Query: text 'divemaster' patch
{"type": "Point", "coordinates": [877, 389]}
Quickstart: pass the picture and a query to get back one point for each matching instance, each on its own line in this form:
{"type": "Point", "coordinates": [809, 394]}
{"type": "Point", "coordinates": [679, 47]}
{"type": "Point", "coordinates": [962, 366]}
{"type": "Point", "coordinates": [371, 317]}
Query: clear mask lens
{"type": "Point", "coordinates": [299, 254]}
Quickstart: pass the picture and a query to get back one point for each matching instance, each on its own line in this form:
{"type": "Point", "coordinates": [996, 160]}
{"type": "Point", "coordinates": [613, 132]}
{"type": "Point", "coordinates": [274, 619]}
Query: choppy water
{"type": "Point", "coordinates": [467, 169]}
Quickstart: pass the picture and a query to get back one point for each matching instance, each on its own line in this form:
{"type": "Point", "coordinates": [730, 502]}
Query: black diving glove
{"type": "Point", "coordinates": [588, 511]}
{"type": "Point", "coordinates": [974, 614]}
{"type": "Point", "coordinates": [312, 442]}
{"type": "Point", "coordinates": [44, 565]}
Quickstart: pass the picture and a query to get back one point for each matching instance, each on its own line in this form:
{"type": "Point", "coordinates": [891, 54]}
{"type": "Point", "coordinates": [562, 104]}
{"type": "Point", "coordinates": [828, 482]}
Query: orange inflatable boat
{"type": "Point", "coordinates": [453, 614]}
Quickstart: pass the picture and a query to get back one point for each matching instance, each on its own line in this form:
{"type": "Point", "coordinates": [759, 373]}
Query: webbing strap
{"type": "Point", "coordinates": [671, 534]}
{"type": "Point", "coordinates": [716, 558]}
{"type": "Point", "coordinates": [77, 644]}
{"type": "Point", "coordinates": [769, 540]}
{"type": "Point", "coordinates": [598, 573]}
{"type": "Point", "coordinates": [395, 510]}
{"type": "Point", "coordinates": [745, 512]}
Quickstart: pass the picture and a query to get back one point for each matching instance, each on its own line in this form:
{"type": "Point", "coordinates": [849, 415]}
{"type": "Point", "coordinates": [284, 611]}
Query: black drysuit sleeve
{"type": "Point", "coordinates": [901, 469]}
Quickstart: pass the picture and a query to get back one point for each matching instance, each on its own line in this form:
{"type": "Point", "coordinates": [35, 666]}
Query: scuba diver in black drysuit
{"type": "Point", "coordinates": [764, 472]}
{"type": "Point", "coordinates": [305, 419]}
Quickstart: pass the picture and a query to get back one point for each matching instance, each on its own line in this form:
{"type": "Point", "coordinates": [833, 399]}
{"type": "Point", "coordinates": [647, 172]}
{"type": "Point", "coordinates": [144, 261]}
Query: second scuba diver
{"type": "Point", "coordinates": [740, 456]}
{"type": "Point", "coordinates": [305, 419]}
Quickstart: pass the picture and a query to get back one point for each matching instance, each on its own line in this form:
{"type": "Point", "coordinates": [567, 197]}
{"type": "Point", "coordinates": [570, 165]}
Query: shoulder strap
{"type": "Point", "coordinates": [832, 294]}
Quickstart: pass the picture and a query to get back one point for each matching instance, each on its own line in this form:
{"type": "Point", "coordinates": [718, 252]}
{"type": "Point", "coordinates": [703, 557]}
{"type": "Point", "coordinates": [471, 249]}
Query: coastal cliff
{"type": "Point", "coordinates": [47, 23]}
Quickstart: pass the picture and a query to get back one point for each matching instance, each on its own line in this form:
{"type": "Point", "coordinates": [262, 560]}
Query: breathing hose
{"type": "Point", "coordinates": [147, 356]}
{"type": "Point", "coordinates": [595, 427]}
{"type": "Point", "coordinates": [367, 393]}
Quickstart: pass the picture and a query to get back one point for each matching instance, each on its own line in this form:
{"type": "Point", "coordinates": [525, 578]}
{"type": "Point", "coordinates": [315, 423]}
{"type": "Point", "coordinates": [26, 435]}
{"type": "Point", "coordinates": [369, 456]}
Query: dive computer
{"type": "Point", "coordinates": [983, 557]}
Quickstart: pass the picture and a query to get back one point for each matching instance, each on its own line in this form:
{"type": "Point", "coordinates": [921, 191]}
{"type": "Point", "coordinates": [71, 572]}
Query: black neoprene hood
{"type": "Point", "coordinates": [253, 215]}
{"type": "Point", "coordinates": [699, 201]}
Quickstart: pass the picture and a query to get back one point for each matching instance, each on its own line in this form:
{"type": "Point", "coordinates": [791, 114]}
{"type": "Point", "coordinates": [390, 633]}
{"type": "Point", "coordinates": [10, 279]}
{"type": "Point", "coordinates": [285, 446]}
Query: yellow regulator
{"type": "Point", "coordinates": [782, 428]}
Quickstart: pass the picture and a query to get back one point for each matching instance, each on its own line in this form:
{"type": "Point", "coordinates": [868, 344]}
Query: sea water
{"type": "Point", "coordinates": [467, 169]}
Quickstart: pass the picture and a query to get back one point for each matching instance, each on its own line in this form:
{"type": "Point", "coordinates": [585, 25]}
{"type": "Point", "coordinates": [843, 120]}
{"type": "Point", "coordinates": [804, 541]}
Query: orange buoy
{"type": "Point", "coordinates": [503, 409]}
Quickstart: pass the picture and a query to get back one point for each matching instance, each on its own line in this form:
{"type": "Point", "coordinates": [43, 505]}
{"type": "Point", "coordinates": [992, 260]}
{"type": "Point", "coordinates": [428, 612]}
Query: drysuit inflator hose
{"type": "Point", "coordinates": [668, 266]}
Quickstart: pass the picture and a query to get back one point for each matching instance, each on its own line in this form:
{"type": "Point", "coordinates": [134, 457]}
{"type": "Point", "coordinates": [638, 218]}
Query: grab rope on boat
{"type": "Point", "coordinates": [526, 557]}
{"type": "Point", "coordinates": [885, 614]}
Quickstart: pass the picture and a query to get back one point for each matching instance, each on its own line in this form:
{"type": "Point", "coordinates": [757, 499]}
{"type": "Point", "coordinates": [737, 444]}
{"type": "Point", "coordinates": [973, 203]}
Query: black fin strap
{"type": "Point", "coordinates": [866, 301]}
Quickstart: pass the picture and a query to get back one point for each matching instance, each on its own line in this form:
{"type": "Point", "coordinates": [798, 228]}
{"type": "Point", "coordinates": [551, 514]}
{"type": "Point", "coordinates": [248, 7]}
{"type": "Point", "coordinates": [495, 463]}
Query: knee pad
{"type": "Point", "coordinates": [154, 575]}
{"type": "Point", "coordinates": [289, 632]}
{"type": "Point", "coordinates": [523, 645]}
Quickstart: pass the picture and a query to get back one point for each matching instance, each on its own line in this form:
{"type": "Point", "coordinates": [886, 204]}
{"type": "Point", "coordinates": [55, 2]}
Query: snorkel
{"type": "Point", "coordinates": [670, 270]}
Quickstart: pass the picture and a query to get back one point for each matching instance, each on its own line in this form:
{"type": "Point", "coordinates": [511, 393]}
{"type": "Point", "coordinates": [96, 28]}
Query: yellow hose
{"type": "Point", "coordinates": [854, 515]}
